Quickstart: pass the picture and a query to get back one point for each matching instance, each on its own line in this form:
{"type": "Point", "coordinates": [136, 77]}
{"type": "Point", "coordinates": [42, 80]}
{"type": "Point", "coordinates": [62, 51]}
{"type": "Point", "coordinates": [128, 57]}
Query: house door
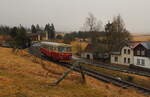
{"type": "Point", "coordinates": [88, 56]}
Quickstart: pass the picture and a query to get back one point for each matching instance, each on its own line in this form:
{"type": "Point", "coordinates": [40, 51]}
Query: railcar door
{"type": "Point", "coordinates": [68, 49]}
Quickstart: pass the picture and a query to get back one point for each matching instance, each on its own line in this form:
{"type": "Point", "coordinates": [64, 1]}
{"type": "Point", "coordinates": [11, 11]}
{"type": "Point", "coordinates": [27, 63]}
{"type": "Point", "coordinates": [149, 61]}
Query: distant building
{"type": "Point", "coordinates": [142, 55]}
{"type": "Point", "coordinates": [137, 54]}
{"type": "Point", "coordinates": [60, 33]}
{"type": "Point", "coordinates": [88, 53]}
{"type": "Point", "coordinates": [83, 39]}
{"type": "Point", "coordinates": [38, 36]}
{"type": "Point", "coordinates": [93, 52]}
{"type": "Point", "coordinates": [4, 38]}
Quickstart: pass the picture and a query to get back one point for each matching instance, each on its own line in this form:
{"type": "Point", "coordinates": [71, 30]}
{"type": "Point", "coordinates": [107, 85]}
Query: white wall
{"type": "Point", "coordinates": [113, 59]}
{"type": "Point", "coordinates": [147, 61]}
{"type": "Point", "coordinates": [85, 54]}
{"type": "Point", "coordinates": [123, 55]}
{"type": "Point", "coordinates": [127, 55]}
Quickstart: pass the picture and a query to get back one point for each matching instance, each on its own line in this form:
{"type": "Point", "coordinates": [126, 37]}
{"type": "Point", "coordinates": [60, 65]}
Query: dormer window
{"type": "Point", "coordinates": [125, 51]}
{"type": "Point", "coordinates": [138, 52]}
{"type": "Point", "coordinates": [143, 53]}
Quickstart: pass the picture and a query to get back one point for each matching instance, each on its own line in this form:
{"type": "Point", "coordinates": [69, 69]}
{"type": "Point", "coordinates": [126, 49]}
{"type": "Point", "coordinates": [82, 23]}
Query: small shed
{"type": "Point", "coordinates": [89, 52]}
{"type": "Point", "coordinates": [37, 36]}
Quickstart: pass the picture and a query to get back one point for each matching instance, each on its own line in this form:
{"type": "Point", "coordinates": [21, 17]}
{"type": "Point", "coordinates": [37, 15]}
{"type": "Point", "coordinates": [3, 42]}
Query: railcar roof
{"type": "Point", "coordinates": [55, 44]}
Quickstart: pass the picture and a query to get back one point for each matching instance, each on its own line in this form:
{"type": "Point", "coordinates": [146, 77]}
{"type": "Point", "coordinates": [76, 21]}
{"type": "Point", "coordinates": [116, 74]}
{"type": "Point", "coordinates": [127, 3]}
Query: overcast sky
{"type": "Point", "coordinates": [69, 15]}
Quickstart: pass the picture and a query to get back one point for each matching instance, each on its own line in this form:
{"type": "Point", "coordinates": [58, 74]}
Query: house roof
{"type": "Point", "coordinates": [115, 53]}
{"type": "Point", "coordinates": [132, 45]}
{"type": "Point", "coordinates": [90, 48]}
{"type": "Point", "coordinates": [146, 44]}
{"type": "Point", "coordinates": [34, 34]}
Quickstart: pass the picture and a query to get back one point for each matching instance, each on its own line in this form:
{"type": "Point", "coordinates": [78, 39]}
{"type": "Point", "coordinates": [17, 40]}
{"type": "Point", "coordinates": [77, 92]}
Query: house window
{"type": "Point", "coordinates": [128, 51]}
{"type": "Point", "coordinates": [138, 61]}
{"type": "Point", "coordinates": [143, 53]}
{"type": "Point", "coordinates": [116, 59]}
{"type": "Point", "coordinates": [129, 60]}
{"type": "Point", "coordinates": [125, 51]}
{"type": "Point", "coordinates": [138, 52]}
{"type": "Point", "coordinates": [125, 60]}
{"type": "Point", "coordinates": [143, 62]}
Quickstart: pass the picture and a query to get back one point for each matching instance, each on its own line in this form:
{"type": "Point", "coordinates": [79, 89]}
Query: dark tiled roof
{"type": "Point", "coordinates": [146, 44]}
{"type": "Point", "coordinates": [115, 53]}
{"type": "Point", "coordinates": [132, 45]}
{"type": "Point", "coordinates": [35, 34]}
{"type": "Point", "coordinates": [90, 48]}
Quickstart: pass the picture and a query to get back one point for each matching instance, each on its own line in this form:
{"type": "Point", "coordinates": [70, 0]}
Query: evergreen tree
{"type": "Point", "coordinates": [33, 29]}
{"type": "Point", "coordinates": [51, 30]}
{"type": "Point", "coordinates": [20, 38]}
{"type": "Point", "coordinates": [5, 30]}
{"type": "Point", "coordinates": [38, 29]}
{"type": "Point", "coordinates": [14, 32]}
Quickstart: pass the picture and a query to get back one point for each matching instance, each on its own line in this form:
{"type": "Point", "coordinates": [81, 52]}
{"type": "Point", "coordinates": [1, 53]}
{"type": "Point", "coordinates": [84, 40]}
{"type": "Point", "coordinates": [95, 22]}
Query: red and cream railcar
{"type": "Point", "coordinates": [57, 51]}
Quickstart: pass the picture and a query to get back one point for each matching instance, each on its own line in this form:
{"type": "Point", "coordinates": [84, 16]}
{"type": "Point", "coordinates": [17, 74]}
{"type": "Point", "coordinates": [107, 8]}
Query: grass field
{"type": "Point", "coordinates": [23, 76]}
{"type": "Point", "coordinates": [78, 46]}
{"type": "Point", "coordinates": [140, 37]}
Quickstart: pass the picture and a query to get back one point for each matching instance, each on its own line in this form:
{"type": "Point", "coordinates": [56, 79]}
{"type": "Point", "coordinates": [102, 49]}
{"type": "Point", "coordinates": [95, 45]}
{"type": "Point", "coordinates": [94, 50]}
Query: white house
{"type": "Point", "coordinates": [142, 55]}
{"type": "Point", "coordinates": [124, 56]}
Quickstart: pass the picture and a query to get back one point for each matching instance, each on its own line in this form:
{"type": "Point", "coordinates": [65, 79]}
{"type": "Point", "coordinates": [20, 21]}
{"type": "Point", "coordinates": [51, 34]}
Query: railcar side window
{"type": "Point", "coordinates": [54, 49]}
{"type": "Point", "coordinates": [61, 49]}
{"type": "Point", "coordinates": [50, 48]}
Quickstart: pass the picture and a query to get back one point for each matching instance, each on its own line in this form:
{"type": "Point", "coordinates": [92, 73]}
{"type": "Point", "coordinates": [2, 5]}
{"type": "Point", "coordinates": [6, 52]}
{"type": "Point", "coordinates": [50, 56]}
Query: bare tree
{"type": "Point", "coordinates": [117, 34]}
{"type": "Point", "coordinates": [91, 23]}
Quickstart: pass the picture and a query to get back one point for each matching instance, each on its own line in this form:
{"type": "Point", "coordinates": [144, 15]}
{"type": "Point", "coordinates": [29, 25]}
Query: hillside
{"type": "Point", "coordinates": [141, 37]}
{"type": "Point", "coordinates": [22, 76]}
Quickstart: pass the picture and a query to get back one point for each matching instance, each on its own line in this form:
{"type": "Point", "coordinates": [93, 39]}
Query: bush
{"type": "Point", "coordinates": [130, 78]}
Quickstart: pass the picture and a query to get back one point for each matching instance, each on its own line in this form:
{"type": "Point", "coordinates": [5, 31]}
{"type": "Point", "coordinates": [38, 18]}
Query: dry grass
{"type": "Point", "coordinates": [141, 37]}
{"type": "Point", "coordinates": [141, 80]}
{"type": "Point", "coordinates": [21, 77]}
{"type": "Point", "coordinates": [76, 46]}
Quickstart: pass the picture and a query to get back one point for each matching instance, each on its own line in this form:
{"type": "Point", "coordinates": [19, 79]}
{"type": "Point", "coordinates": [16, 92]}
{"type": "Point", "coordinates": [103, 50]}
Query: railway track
{"type": "Point", "coordinates": [115, 68]}
{"type": "Point", "coordinates": [110, 79]}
